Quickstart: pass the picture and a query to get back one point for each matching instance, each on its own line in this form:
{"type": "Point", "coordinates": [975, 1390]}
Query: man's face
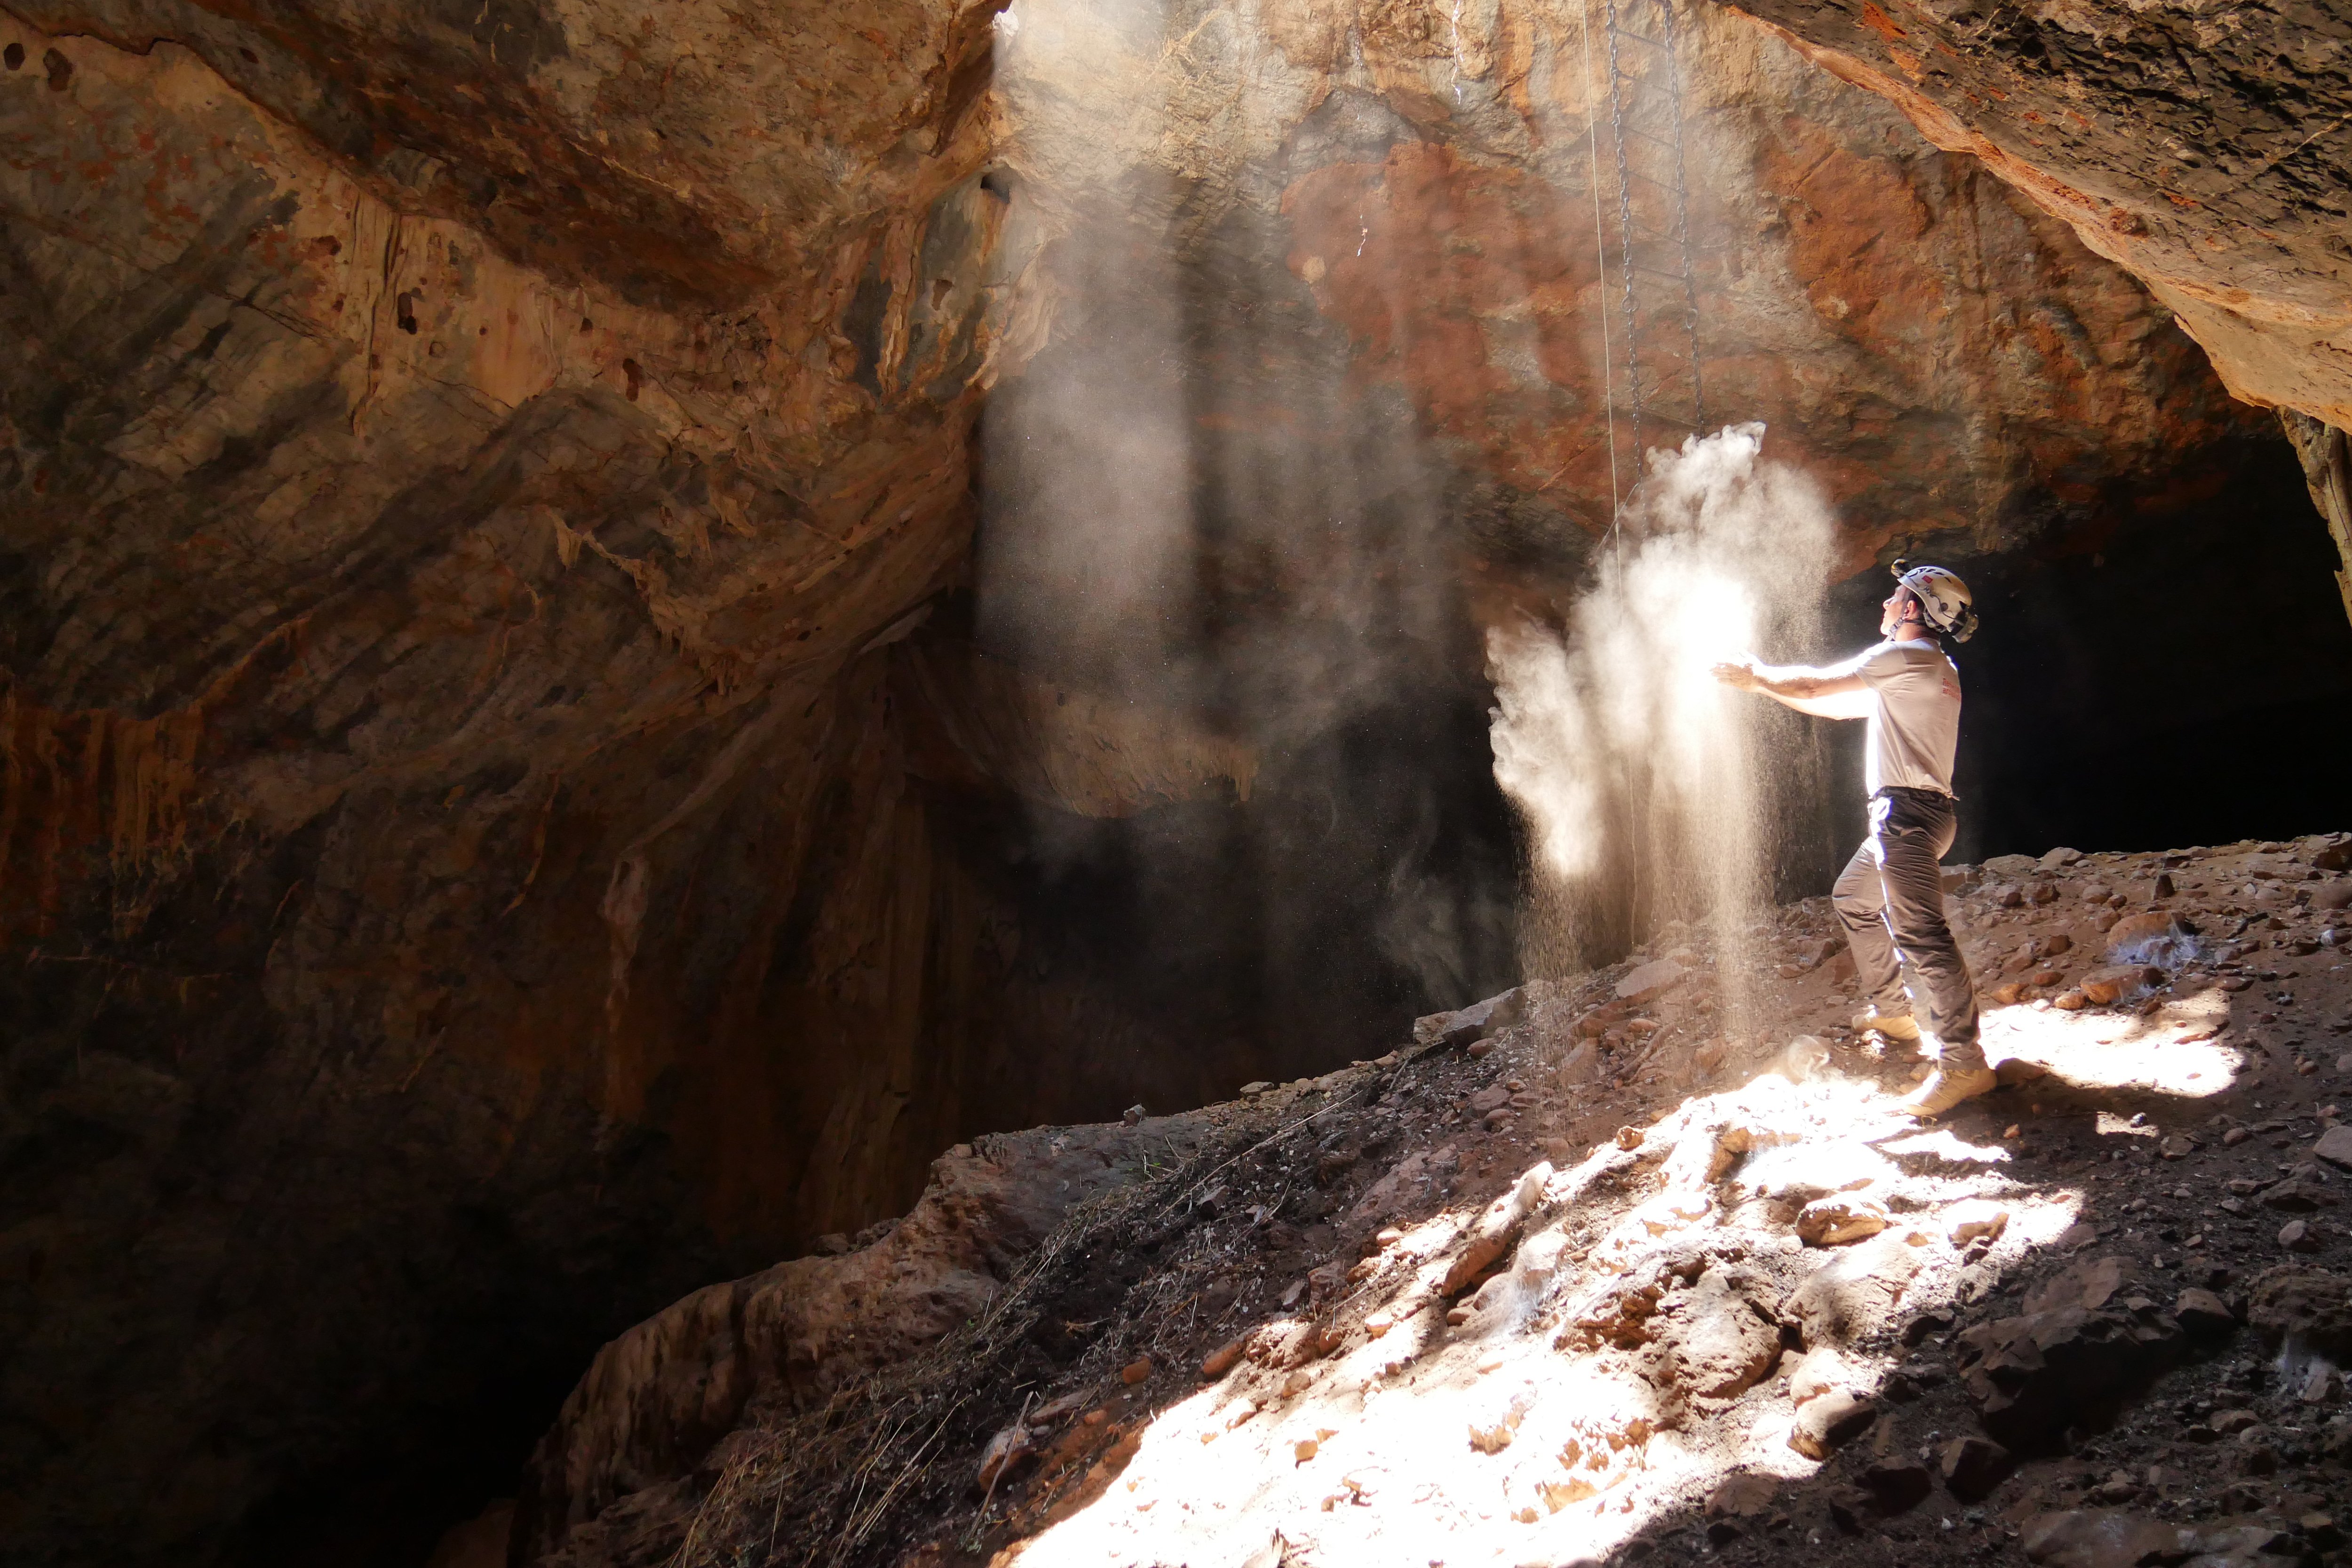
{"type": "Point", "coordinates": [1890, 614]}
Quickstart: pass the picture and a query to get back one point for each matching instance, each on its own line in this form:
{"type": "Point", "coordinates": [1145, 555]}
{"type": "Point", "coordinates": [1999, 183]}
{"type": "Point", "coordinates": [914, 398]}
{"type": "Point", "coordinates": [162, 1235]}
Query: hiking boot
{"type": "Point", "coordinates": [1893, 1026]}
{"type": "Point", "coordinates": [1948, 1087]}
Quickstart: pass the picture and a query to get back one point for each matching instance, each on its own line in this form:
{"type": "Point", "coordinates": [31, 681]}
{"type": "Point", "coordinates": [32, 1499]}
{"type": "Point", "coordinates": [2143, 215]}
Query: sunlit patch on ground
{"type": "Point", "coordinates": [1625, 1359]}
{"type": "Point", "coordinates": [2178, 1051]}
{"type": "Point", "coordinates": [1757, 1312]}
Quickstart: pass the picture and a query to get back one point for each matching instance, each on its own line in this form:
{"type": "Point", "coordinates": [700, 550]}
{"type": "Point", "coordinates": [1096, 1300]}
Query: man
{"type": "Point", "coordinates": [1890, 898]}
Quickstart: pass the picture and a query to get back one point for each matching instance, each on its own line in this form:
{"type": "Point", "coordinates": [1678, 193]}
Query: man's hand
{"type": "Point", "coordinates": [1819, 692]}
{"type": "Point", "coordinates": [1737, 673]}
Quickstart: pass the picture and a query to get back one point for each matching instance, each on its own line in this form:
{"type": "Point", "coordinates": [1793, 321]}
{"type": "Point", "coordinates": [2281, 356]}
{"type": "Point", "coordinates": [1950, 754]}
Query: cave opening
{"type": "Point", "coordinates": [2158, 668]}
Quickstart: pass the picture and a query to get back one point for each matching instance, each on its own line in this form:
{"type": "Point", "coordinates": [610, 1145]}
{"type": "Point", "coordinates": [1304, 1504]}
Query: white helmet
{"type": "Point", "coordinates": [1944, 601]}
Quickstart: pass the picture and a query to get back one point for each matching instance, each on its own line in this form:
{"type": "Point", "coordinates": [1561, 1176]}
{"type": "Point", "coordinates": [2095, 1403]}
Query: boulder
{"type": "Point", "coordinates": [1445, 1031]}
{"type": "Point", "coordinates": [2150, 936]}
{"type": "Point", "coordinates": [2203, 1313]}
{"type": "Point", "coordinates": [2034, 1375]}
{"type": "Point", "coordinates": [1855, 1293]}
{"type": "Point", "coordinates": [2099, 1538]}
{"type": "Point", "coordinates": [2335, 1146]}
{"type": "Point", "coordinates": [1819, 1372]}
{"type": "Point", "coordinates": [2304, 1309]}
{"type": "Point", "coordinates": [2296, 1198]}
{"type": "Point", "coordinates": [1719, 1342]}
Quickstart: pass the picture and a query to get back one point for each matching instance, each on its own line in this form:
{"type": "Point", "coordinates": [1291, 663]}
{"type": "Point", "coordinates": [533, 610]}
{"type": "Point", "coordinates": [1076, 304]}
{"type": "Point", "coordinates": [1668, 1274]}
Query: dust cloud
{"type": "Point", "coordinates": [1650, 794]}
{"type": "Point", "coordinates": [1191, 505]}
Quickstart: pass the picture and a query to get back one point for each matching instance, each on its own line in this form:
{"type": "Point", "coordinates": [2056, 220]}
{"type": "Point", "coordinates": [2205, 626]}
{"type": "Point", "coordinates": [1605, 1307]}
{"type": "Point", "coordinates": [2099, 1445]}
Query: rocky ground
{"type": "Point", "coordinates": [1644, 1263]}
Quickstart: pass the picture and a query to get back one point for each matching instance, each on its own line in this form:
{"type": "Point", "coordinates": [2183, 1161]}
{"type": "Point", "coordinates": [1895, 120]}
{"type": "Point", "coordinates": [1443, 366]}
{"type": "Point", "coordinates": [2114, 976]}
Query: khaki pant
{"type": "Point", "coordinates": [1890, 899]}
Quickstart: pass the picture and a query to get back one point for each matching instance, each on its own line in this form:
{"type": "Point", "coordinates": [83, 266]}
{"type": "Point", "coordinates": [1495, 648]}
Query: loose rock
{"type": "Point", "coordinates": [1827, 1423]}
{"type": "Point", "coordinates": [1650, 980]}
{"type": "Point", "coordinates": [2203, 1313]}
{"type": "Point", "coordinates": [1839, 1220]}
{"type": "Point", "coordinates": [1497, 1230]}
{"type": "Point", "coordinates": [2116, 982]}
{"type": "Point", "coordinates": [1972, 1466]}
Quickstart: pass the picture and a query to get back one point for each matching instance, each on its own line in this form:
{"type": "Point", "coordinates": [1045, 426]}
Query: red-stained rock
{"type": "Point", "coordinates": [2214, 193]}
{"type": "Point", "coordinates": [658, 1397]}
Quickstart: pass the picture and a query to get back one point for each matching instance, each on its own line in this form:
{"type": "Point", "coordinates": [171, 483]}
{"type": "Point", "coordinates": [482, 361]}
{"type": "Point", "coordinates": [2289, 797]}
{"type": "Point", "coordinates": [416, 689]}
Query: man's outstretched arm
{"type": "Point", "coordinates": [1824, 693]}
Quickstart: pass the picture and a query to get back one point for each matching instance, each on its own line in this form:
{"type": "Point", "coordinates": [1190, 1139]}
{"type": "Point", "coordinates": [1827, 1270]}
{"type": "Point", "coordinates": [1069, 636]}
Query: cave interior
{"type": "Point", "coordinates": [615, 630]}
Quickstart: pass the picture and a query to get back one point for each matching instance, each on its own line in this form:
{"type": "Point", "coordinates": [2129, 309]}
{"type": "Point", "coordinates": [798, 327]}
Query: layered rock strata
{"type": "Point", "coordinates": [2199, 150]}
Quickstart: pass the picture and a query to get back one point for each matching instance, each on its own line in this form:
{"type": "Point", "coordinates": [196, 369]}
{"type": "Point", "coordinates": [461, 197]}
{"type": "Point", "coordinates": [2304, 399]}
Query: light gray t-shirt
{"type": "Point", "coordinates": [1915, 715]}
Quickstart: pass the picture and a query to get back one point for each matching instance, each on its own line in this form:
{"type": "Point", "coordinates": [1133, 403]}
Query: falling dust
{"type": "Point", "coordinates": [1652, 795]}
{"type": "Point", "coordinates": [1265, 554]}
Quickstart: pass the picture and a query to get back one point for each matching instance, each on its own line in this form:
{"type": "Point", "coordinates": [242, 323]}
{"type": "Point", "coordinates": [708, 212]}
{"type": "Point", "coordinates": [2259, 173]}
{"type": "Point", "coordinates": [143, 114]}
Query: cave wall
{"type": "Point", "coordinates": [415, 584]}
{"type": "Point", "coordinates": [2194, 149]}
{"type": "Point", "coordinates": [522, 793]}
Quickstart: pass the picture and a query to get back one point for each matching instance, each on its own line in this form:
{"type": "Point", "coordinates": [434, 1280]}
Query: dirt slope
{"type": "Point", "coordinates": [1582, 1272]}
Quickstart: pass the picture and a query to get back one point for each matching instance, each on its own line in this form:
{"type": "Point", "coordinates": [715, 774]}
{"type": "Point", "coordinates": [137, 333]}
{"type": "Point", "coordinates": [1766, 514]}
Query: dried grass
{"type": "Point", "coordinates": [887, 1459]}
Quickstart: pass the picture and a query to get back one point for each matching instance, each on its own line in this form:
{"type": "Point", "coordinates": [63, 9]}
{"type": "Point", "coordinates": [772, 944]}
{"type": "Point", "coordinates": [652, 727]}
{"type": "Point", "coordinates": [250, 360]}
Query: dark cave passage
{"type": "Point", "coordinates": [2187, 682]}
{"type": "Point", "coordinates": [2173, 677]}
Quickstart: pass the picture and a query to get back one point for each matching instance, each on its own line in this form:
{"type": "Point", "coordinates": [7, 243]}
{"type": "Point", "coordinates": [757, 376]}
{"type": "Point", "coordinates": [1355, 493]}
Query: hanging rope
{"type": "Point", "coordinates": [1601, 262]}
{"type": "Point", "coordinates": [1682, 206]}
{"type": "Point", "coordinates": [1661, 87]}
{"type": "Point", "coordinates": [1625, 246]}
